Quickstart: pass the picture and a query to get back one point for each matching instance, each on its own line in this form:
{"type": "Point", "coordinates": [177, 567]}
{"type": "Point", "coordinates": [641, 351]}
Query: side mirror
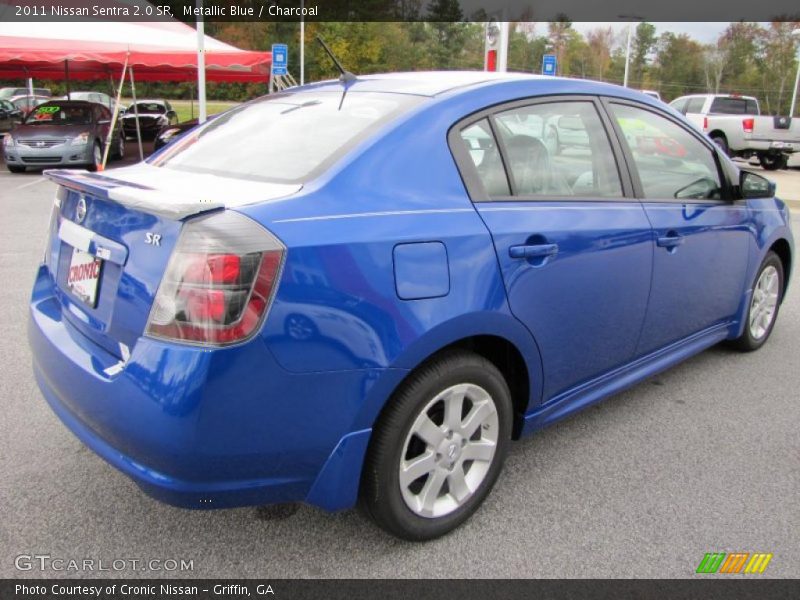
{"type": "Point", "coordinates": [755, 186]}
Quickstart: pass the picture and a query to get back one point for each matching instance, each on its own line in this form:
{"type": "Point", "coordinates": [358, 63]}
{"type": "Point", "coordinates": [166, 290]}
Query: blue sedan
{"type": "Point", "coordinates": [366, 289]}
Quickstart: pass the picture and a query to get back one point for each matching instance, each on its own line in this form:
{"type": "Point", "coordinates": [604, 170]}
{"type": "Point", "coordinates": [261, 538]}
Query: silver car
{"type": "Point", "coordinates": [62, 133]}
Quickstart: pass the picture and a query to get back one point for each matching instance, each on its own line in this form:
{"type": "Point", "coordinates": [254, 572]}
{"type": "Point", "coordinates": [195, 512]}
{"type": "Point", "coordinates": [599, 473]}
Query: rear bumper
{"type": "Point", "coordinates": [201, 429]}
{"type": "Point", "coordinates": [770, 145]}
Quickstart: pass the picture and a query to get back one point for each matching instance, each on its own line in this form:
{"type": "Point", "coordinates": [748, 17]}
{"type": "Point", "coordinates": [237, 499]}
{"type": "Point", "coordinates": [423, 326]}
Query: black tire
{"type": "Point", "coordinates": [95, 164]}
{"type": "Point", "coordinates": [381, 494]}
{"type": "Point", "coordinates": [119, 153]}
{"type": "Point", "coordinates": [16, 168]}
{"type": "Point", "coordinates": [747, 342]}
{"type": "Point", "coordinates": [722, 142]}
{"type": "Point", "coordinates": [771, 162]}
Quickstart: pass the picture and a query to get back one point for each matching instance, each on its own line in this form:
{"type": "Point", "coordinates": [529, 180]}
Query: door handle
{"type": "Point", "coordinates": [671, 240]}
{"type": "Point", "coordinates": [533, 250]}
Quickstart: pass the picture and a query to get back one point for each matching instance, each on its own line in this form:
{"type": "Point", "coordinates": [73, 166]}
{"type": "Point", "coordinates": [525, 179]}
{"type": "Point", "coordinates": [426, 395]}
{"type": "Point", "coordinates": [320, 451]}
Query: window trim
{"type": "Point", "coordinates": [469, 173]}
{"type": "Point", "coordinates": [727, 189]}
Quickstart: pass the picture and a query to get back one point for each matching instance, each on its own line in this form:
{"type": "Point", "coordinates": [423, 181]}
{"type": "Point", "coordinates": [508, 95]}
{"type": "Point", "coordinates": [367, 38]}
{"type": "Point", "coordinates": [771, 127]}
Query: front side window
{"type": "Point", "coordinates": [284, 138]}
{"type": "Point", "coordinates": [680, 104]}
{"type": "Point", "coordinates": [695, 105]}
{"type": "Point", "coordinates": [672, 163]}
{"type": "Point", "coordinates": [558, 149]}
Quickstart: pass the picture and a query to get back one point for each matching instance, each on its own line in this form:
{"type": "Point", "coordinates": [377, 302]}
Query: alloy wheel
{"type": "Point", "coordinates": [449, 450]}
{"type": "Point", "coordinates": [764, 303]}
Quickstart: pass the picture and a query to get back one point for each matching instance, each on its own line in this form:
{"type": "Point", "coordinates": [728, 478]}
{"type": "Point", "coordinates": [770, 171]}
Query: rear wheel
{"type": "Point", "coordinates": [764, 305]}
{"type": "Point", "coordinates": [438, 448]}
{"type": "Point", "coordinates": [771, 162]}
{"type": "Point", "coordinates": [16, 168]}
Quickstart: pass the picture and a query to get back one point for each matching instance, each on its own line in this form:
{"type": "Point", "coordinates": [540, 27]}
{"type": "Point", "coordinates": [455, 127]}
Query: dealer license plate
{"type": "Point", "coordinates": [84, 275]}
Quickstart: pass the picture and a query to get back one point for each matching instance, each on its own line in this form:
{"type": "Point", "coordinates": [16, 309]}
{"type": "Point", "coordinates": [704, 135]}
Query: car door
{"type": "Point", "coordinates": [701, 237]}
{"type": "Point", "coordinates": [573, 245]}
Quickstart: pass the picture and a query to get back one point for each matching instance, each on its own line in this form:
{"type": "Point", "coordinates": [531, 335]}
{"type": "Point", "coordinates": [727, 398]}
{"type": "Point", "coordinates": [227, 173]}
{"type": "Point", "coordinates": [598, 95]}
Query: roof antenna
{"type": "Point", "coordinates": [345, 74]}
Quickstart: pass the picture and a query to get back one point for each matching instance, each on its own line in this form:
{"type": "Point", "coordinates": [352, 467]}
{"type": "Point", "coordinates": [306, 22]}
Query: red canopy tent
{"type": "Point", "coordinates": [157, 51]}
{"type": "Point", "coordinates": [103, 49]}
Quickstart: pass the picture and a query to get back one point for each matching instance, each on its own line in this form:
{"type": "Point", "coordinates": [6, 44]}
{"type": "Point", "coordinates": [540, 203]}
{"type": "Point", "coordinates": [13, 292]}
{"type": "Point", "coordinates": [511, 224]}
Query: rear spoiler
{"type": "Point", "coordinates": [132, 195]}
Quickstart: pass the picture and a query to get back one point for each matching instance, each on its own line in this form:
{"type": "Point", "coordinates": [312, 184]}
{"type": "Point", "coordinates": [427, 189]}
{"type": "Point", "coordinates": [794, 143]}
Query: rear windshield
{"type": "Point", "coordinates": [287, 138]}
{"type": "Point", "coordinates": [147, 107]}
{"type": "Point", "coordinates": [733, 106]}
{"type": "Point", "coordinates": [55, 114]}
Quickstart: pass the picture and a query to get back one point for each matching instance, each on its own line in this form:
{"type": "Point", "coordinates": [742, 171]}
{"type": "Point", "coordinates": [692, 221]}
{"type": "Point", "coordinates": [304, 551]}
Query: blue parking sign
{"type": "Point", "coordinates": [280, 59]}
{"type": "Point", "coordinates": [549, 64]}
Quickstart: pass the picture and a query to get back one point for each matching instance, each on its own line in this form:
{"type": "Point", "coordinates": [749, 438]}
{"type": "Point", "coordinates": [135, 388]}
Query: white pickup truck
{"type": "Point", "coordinates": [735, 123]}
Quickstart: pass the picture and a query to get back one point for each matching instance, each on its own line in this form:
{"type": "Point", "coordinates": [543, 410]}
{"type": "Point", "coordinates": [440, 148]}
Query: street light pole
{"type": "Point", "coordinates": [795, 33]}
{"type": "Point", "coordinates": [632, 19]}
{"type": "Point", "coordinates": [628, 55]}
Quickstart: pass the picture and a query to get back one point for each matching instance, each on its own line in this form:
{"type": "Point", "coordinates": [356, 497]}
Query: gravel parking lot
{"type": "Point", "coordinates": [701, 458]}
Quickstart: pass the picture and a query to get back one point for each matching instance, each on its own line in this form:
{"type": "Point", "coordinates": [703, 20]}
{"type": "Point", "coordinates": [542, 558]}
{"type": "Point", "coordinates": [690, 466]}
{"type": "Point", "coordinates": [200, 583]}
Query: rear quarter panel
{"type": "Point", "coordinates": [341, 232]}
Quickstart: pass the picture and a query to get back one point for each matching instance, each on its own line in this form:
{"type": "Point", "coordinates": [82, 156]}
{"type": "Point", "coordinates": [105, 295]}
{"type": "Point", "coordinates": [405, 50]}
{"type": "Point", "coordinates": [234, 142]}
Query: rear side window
{"type": "Point", "coordinates": [558, 149]}
{"type": "Point", "coordinates": [694, 105]}
{"type": "Point", "coordinates": [486, 158]}
{"type": "Point", "coordinates": [730, 106]}
{"type": "Point", "coordinates": [286, 138]}
{"type": "Point", "coordinates": [671, 162]}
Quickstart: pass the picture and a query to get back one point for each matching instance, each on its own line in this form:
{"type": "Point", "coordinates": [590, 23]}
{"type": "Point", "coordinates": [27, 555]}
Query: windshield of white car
{"type": "Point", "coordinates": [285, 138]}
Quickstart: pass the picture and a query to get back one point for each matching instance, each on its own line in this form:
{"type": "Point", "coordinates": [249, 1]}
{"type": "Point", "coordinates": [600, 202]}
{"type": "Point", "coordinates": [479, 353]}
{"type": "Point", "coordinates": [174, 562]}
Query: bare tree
{"type": "Point", "coordinates": [601, 42]}
{"type": "Point", "coordinates": [715, 59]}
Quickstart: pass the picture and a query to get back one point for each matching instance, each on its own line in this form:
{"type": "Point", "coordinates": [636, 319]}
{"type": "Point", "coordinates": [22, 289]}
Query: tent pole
{"type": "Point", "coordinates": [116, 113]}
{"type": "Point", "coordinates": [302, 45]}
{"type": "Point", "coordinates": [136, 113]}
{"type": "Point", "coordinates": [66, 76]}
{"type": "Point", "coordinates": [201, 64]}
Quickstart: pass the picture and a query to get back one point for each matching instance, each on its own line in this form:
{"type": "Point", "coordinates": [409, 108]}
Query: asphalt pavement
{"type": "Point", "coordinates": [702, 458]}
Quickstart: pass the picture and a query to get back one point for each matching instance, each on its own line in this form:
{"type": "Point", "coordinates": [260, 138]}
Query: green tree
{"type": "Point", "coordinates": [559, 36]}
{"type": "Point", "coordinates": [642, 45]}
{"type": "Point", "coordinates": [680, 64]}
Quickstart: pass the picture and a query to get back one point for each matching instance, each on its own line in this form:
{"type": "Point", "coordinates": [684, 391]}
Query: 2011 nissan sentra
{"type": "Point", "coordinates": [368, 288]}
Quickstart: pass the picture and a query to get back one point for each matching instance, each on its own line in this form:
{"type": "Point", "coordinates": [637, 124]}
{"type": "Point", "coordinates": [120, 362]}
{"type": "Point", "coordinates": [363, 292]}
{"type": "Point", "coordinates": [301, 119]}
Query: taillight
{"type": "Point", "coordinates": [219, 282]}
{"type": "Point", "coordinates": [705, 123]}
{"type": "Point", "coordinates": [747, 125]}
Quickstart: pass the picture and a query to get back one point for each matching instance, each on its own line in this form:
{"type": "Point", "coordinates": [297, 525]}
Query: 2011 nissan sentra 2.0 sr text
{"type": "Point", "coordinates": [367, 288]}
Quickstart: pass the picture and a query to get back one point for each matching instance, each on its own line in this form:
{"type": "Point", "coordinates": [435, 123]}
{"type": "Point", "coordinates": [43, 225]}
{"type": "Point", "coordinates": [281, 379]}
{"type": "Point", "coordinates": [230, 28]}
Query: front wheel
{"type": "Point", "coordinates": [15, 168]}
{"type": "Point", "coordinates": [97, 157]}
{"type": "Point", "coordinates": [722, 142]}
{"type": "Point", "coordinates": [438, 448]}
{"type": "Point", "coordinates": [764, 305]}
{"type": "Point", "coordinates": [119, 154]}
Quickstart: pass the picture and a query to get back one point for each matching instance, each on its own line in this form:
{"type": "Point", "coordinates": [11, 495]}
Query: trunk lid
{"type": "Point", "coordinates": [114, 235]}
